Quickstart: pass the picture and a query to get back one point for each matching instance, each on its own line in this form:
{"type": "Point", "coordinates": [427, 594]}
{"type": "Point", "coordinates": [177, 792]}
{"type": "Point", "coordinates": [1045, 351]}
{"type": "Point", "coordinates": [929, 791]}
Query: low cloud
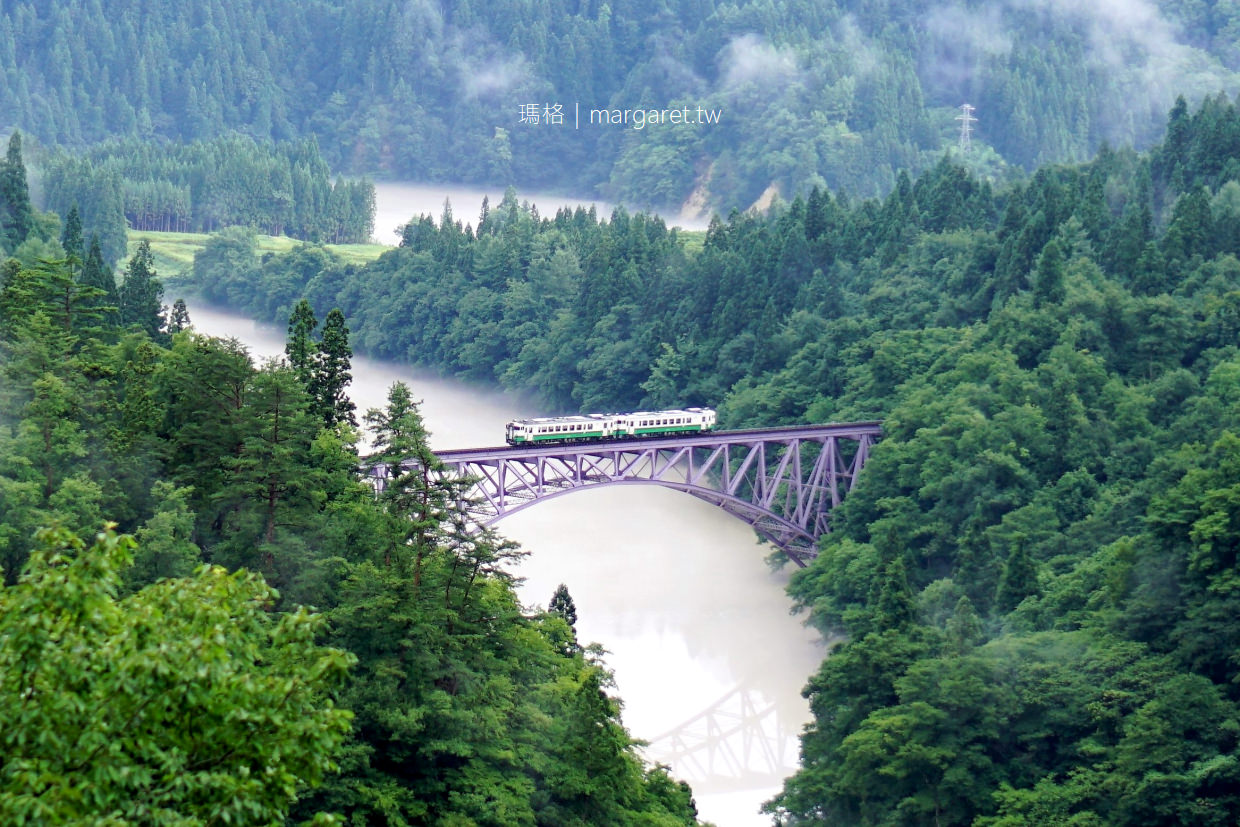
{"type": "Point", "coordinates": [484, 76]}
{"type": "Point", "coordinates": [960, 39]}
{"type": "Point", "coordinates": [751, 59]}
{"type": "Point", "coordinates": [1143, 53]}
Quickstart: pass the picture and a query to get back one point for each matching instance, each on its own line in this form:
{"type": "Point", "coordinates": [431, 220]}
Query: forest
{"type": "Point", "coordinates": [839, 94]}
{"type": "Point", "coordinates": [282, 189]}
{"type": "Point", "coordinates": [1032, 583]}
{"type": "Point", "coordinates": [207, 615]}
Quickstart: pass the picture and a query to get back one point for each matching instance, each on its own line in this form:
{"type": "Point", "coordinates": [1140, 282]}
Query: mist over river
{"type": "Point", "coordinates": [677, 591]}
{"type": "Point", "coordinates": [396, 203]}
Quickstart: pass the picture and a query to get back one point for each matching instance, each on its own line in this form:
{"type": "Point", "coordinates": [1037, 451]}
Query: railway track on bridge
{"type": "Point", "coordinates": [871, 428]}
{"type": "Point", "coordinates": [784, 482]}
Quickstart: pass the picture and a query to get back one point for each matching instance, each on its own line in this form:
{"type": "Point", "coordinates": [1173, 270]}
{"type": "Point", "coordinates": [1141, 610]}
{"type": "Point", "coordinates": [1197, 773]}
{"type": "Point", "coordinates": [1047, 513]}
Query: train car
{"type": "Point", "coordinates": [664, 423]}
{"type": "Point", "coordinates": [592, 427]}
{"type": "Point", "coordinates": [560, 429]}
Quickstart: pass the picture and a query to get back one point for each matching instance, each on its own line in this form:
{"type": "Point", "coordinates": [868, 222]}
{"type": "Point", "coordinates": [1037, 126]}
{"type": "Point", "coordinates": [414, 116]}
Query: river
{"type": "Point", "coordinates": [697, 629]}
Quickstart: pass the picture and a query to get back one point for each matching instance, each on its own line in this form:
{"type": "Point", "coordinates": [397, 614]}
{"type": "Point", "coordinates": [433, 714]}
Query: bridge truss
{"type": "Point", "coordinates": [740, 742]}
{"type": "Point", "coordinates": [782, 481]}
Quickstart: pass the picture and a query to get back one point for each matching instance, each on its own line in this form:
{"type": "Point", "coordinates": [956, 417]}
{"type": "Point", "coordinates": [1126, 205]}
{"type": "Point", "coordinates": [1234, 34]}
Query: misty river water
{"type": "Point", "coordinates": [697, 629]}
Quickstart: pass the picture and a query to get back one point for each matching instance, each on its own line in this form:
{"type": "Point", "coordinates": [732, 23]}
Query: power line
{"type": "Point", "coordinates": [966, 126]}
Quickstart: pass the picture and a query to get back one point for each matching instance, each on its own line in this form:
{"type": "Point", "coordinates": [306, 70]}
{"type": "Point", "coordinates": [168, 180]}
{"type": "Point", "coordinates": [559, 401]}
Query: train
{"type": "Point", "coordinates": [595, 427]}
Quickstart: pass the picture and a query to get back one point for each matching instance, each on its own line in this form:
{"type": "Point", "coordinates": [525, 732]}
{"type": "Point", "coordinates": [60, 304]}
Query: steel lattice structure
{"type": "Point", "coordinates": [782, 481]}
{"type": "Point", "coordinates": [738, 742]}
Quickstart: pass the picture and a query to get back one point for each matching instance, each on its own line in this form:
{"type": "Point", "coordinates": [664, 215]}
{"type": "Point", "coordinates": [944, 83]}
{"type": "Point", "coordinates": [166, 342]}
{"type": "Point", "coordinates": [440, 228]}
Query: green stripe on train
{"type": "Point", "coordinates": [669, 429]}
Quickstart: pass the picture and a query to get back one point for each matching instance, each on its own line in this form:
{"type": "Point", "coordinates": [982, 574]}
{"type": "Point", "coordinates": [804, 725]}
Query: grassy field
{"type": "Point", "coordinates": [694, 240]}
{"type": "Point", "coordinates": [174, 252]}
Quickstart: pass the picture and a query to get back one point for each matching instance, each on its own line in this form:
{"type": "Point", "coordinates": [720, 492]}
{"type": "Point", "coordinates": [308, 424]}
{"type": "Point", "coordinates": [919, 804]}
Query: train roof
{"type": "Point", "coordinates": [672, 412]}
{"type": "Point", "coordinates": [543, 420]}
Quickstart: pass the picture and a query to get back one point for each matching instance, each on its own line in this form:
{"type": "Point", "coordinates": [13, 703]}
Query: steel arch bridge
{"type": "Point", "coordinates": [782, 481]}
{"type": "Point", "coordinates": [740, 742]}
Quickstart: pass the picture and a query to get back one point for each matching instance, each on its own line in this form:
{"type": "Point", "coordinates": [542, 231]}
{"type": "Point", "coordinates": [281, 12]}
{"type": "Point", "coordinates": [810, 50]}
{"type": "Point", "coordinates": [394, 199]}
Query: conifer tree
{"type": "Point", "coordinates": [178, 319]}
{"type": "Point", "coordinates": [98, 275]}
{"type": "Point", "coordinates": [16, 213]}
{"type": "Point", "coordinates": [1019, 580]}
{"type": "Point", "coordinates": [71, 237]}
{"type": "Point", "coordinates": [1049, 278]}
{"type": "Point", "coordinates": [141, 294]}
{"type": "Point", "coordinates": [562, 604]}
{"type": "Point", "coordinates": [331, 373]}
{"type": "Point", "coordinates": [416, 492]}
{"type": "Point", "coordinates": [300, 346]}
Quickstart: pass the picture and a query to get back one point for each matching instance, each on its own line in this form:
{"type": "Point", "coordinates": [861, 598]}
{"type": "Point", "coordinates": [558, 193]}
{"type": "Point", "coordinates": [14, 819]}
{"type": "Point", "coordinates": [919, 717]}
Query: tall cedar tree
{"type": "Point", "coordinates": [562, 604]}
{"type": "Point", "coordinates": [71, 237]}
{"type": "Point", "coordinates": [331, 373]}
{"type": "Point", "coordinates": [300, 347]}
{"type": "Point", "coordinates": [142, 294]}
{"type": "Point", "coordinates": [95, 273]}
{"type": "Point", "coordinates": [412, 491]}
{"type": "Point", "coordinates": [16, 213]}
{"type": "Point", "coordinates": [178, 318]}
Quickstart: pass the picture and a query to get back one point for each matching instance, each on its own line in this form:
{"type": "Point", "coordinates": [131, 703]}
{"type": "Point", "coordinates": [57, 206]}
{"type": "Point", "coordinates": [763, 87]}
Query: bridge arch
{"type": "Point", "coordinates": [784, 482]}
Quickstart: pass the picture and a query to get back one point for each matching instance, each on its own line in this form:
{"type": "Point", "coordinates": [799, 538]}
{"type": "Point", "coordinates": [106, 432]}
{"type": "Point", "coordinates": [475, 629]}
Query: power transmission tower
{"type": "Point", "coordinates": [966, 126]}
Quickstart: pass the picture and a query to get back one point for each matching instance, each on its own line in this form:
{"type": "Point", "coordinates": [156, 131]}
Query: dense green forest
{"type": "Point", "coordinates": [282, 189]}
{"type": "Point", "coordinates": [841, 94]}
{"type": "Point", "coordinates": [170, 674]}
{"type": "Point", "coordinates": [279, 189]}
{"type": "Point", "coordinates": [1034, 581]}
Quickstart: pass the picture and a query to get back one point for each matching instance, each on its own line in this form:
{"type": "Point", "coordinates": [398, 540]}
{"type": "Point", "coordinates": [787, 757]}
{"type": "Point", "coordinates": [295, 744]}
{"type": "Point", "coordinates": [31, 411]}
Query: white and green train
{"type": "Point", "coordinates": [590, 427]}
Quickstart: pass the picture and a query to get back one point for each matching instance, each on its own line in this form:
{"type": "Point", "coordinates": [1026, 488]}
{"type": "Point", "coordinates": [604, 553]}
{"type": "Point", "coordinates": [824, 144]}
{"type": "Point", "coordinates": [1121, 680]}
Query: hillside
{"type": "Point", "coordinates": [841, 94]}
{"type": "Point", "coordinates": [1034, 580]}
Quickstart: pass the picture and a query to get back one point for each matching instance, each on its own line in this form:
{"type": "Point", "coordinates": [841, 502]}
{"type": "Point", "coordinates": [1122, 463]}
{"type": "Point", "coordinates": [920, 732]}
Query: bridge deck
{"type": "Point", "coordinates": [846, 430]}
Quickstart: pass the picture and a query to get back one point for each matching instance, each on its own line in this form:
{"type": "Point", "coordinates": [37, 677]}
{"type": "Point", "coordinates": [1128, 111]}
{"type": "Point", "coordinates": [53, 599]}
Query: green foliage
{"type": "Point", "coordinates": [843, 94]}
{"type": "Point", "coordinates": [159, 689]}
{"type": "Point", "coordinates": [16, 213]}
{"type": "Point", "coordinates": [140, 296]}
{"type": "Point", "coordinates": [1043, 543]}
{"type": "Point", "coordinates": [102, 688]}
{"type": "Point", "coordinates": [282, 189]}
{"type": "Point", "coordinates": [331, 373]}
{"type": "Point", "coordinates": [300, 345]}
